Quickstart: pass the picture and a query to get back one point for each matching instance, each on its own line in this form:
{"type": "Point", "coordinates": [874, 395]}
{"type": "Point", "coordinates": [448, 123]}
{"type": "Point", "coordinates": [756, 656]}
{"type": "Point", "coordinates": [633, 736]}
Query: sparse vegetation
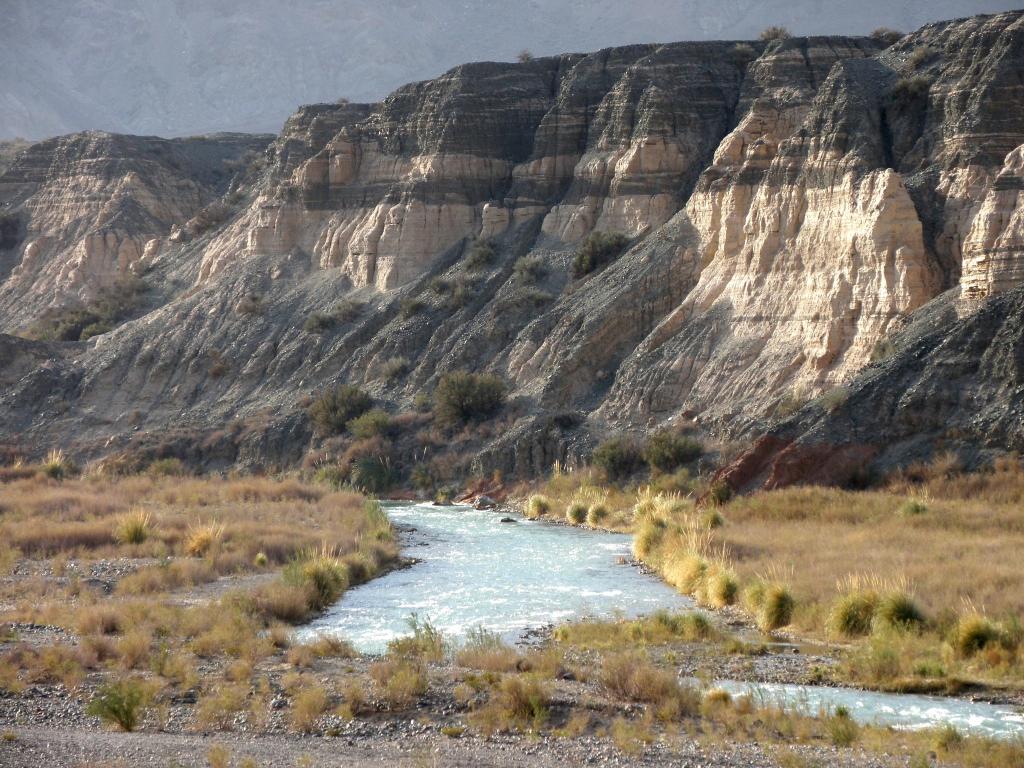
{"type": "Point", "coordinates": [598, 250]}
{"type": "Point", "coordinates": [887, 36]}
{"type": "Point", "coordinates": [481, 254]}
{"type": "Point", "coordinates": [112, 306]}
{"type": "Point", "coordinates": [528, 270]}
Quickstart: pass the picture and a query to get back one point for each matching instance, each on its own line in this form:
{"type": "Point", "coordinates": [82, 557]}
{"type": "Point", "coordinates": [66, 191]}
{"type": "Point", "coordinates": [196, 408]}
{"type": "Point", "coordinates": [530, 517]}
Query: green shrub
{"type": "Point", "coordinates": [618, 457]}
{"type": "Point", "coordinates": [852, 615]}
{"type": "Point", "coordinates": [775, 33]}
{"type": "Point", "coordinates": [481, 253]}
{"type": "Point", "coordinates": [462, 397]}
{"type": "Point", "coordinates": [528, 270]}
{"type": "Point", "coordinates": [972, 634]}
{"type": "Point", "coordinates": [374, 422]}
{"type": "Point", "coordinates": [537, 505]}
{"type": "Point", "coordinates": [121, 703]}
{"type": "Point", "coordinates": [95, 329]}
{"type": "Point", "coordinates": [332, 411]}
{"type": "Point", "coordinates": [898, 611]}
{"type": "Point", "coordinates": [597, 514]}
{"type": "Point", "coordinates": [576, 513]}
{"type": "Point", "coordinates": [666, 451]}
{"type": "Point", "coordinates": [111, 307]}
{"type": "Point", "coordinates": [597, 250]}
{"type": "Point", "coordinates": [348, 310]}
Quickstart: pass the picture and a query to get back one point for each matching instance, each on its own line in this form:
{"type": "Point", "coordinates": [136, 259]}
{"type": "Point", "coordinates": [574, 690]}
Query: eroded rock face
{"type": "Point", "coordinates": [790, 207]}
{"type": "Point", "coordinates": [93, 205]}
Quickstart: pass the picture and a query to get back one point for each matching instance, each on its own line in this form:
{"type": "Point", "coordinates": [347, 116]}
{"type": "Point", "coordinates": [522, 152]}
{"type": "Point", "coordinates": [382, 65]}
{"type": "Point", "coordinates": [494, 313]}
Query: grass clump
{"type": "Point", "coordinates": [335, 408]}
{"type": "Point", "coordinates": [401, 681]}
{"type": "Point", "coordinates": [308, 704]}
{"type": "Point", "coordinates": [912, 508]}
{"type": "Point", "coordinates": [771, 604]}
{"type": "Point", "coordinates": [898, 610]}
{"type": "Point", "coordinates": [486, 651]}
{"type": "Point", "coordinates": [973, 634]}
{"type": "Point", "coordinates": [841, 729]}
{"type": "Point", "coordinates": [666, 451]}
{"type": "Point", "coordinates": [122, 703]}
{"type": "Point", "coordinates": [425, 642]}
{"type": "Point", "coordinates": [57, 465]}
{"type": "Point", "coordinates": [537, 505]}
{"type": "Point", "coordinates": [203, 538]}
{"type": "Point", "coordinates": [528, 270]}
{"type": "Point", "coordinates": [597, 514]}
{"type": "Point", "coordinates": [597, 250]}
{"type": "Point", "coordinates": [394, 368]}
{"type": "Point", "coordinates": [322, 576]}
{"type": "Point", "coordinates": [462, 397]}
{"type": "Point", "coordinates": [852, 614]}
{"type": "Point", "coordinates": [133, 528]}
{"type": "Point", "coordinates": [775, 32]}
{"type": "Point", "coordinates": [576, 513]}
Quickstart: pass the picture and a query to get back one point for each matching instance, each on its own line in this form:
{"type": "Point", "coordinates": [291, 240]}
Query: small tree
{"type": "Point", "coordinates": [775, 33]}
{"type": "Point", "coordinates": [619, 457]}
{"type": "Point", "coordinates": [463, 397]}
{"type": "Point", "coordinates": [666, 451]}
{"type": "Point", "coordinates": [336, 407]}
{"type": "Point", "coordinates": [524, 56]}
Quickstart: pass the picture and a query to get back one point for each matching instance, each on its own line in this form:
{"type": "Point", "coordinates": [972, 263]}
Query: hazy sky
{"type": "Point", "coordinates": [173, 67]}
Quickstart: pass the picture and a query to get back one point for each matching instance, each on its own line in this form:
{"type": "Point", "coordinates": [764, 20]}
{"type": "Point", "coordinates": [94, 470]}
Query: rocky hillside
{"type": "Point", "coordinates": [787, 211]}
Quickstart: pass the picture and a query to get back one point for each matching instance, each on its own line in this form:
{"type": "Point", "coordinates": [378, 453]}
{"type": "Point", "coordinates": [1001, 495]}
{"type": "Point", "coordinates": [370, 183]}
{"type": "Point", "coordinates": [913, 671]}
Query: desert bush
{"type": "Point", "coordinates": [332, 410]}
{"type": "Point", "coordinates": [721, 588]}
{"type": "Point", "coordinates": [618, 458]}
{"type": "Point", "coordinates": [112, 306]}
{"type": "Point", "coordinates": [374, 422]}
{"type": "Point", "coordinates": [666, 451]}
{"type": "Point", "coordinates": [524, 56]}
{"type": "Point", "coordinates": [410, 307]}
{"type": "Point", "coordinates": [481, 253]}
{"type": "Point", "coordinates": [919, 56]}
{"type": "Point", "coordinates": [308, 704]}
{"type": "Point", "coordinates": [887, 36]}
{"type": "Point", "coordinates": [462, 397]}
{"type": "Point", "coordinates": [775, 33]}
{"type": "Point", "coordinates": [841, 728]}
{"type": "Point", "coordinates": [597, 250]}
{"type": "Point", "coordinates": [909, 89]}
{"type": "Point", "coordinates": [882, 350]}
{"type": "Point", "coordinates": [425, 642]}
{"type": "Point", "coordinates": [537, 505]}
{"type": "Point", "coordinates": [394, 368]}
{"type": "Point", "coordinates": [121, 703]}
{"type": "Point", "coordinates": [318, 322]}
{"type": "Point", "coordinates": [528, 270]}
{"type": "Point", "coordinates": [250, 304]}
{"type": "Point", "coordinates": [486, 651]}
{"type": "Point", "coordinates": [517, 702]}
{"type": "Point", "coordinates": [402, 681]}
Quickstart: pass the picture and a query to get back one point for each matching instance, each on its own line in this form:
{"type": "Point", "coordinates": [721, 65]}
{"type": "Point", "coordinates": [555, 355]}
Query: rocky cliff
{"type": "Point", "coordinates": [791, 207]}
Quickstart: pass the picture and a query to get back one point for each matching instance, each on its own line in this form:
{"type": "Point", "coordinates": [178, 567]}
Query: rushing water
{"type": "Point", "coordinates": [475, 571]}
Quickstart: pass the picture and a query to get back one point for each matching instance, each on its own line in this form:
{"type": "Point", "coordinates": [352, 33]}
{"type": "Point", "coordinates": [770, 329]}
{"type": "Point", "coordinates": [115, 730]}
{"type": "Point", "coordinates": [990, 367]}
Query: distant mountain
{"type": "Point", "coordinates": [177, 67]}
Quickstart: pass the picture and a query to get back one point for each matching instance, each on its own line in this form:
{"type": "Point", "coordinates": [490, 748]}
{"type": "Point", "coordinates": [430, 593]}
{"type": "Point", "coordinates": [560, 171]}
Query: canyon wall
{"type": "Point", "coordinates": [790, 207]}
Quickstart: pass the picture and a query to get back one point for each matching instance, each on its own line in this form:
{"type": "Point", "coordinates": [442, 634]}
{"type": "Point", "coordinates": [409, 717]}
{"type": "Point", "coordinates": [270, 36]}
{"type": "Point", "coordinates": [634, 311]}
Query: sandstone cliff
{"type": "Point", "coordinates": [790, 207]}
